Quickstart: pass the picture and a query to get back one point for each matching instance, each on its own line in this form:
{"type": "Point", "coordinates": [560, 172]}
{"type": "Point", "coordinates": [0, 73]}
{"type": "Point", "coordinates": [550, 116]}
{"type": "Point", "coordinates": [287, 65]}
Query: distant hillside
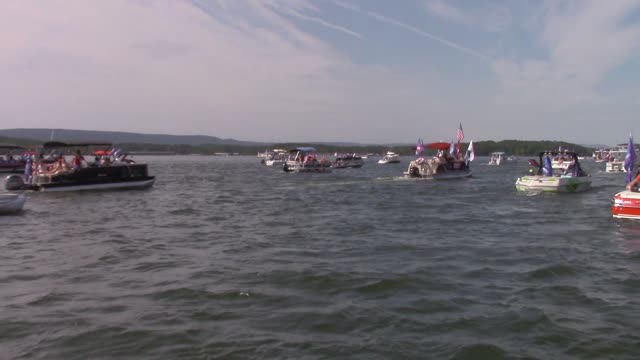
{"type": "Point", "coordinates": [199, 144]}
{"type": "Point", "coordinates": [118, 137]}
{"type": "Point", "coordinates": [521, 148]}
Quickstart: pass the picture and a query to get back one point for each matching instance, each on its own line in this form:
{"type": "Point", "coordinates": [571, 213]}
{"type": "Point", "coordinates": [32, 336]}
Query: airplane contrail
{"type": "Point", "coordinates": [397, 23]}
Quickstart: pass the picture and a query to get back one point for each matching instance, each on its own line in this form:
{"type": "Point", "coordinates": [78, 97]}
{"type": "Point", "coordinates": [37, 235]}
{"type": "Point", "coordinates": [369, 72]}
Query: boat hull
{"type": "Point", "coordinates": [343, 164]}
{"type": "Point", "coordinates": [274, 162]}
{"type": "Point", "coordinates": [132, 176]}
{"type": "Point", "coordinates": [15, 168]}
{"type": "Point", "coordinates": [112, 185]}
{"type": "Point", "coordinates": [553, 184]}
{"type": "Point", "coordinates": [449, 175]}
{"type": "Point", "coordinates": [626, 205]}
{"type": "Point", "coordinates": [307, 168]}
{"type": "Point", "coordinates": [11, 203]}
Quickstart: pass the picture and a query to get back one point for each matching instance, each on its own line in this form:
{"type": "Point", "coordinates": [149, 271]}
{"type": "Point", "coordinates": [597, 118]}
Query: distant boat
{"type": "Point", "coordinates": [277, 157]}
{"type": "Point", "coordinates": [443, 167]}
{"type": "Point", "coordinates": [497, 158]}
{"type": "Point", "coordinates": [347, 161]}
{"type": "Point", "coordinates": [304, 159]}
{"type": "Point", "coordinates": [389, 158]}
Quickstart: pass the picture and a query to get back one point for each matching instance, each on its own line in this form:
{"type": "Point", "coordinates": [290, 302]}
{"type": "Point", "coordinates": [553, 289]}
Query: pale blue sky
{"type": "Point", "coordinates": [373, 71]}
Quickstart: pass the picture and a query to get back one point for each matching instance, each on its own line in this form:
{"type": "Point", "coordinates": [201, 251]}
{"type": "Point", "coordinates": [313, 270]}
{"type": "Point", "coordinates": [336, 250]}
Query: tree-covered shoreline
{"type": "Point", "coordinates": [482, 148]}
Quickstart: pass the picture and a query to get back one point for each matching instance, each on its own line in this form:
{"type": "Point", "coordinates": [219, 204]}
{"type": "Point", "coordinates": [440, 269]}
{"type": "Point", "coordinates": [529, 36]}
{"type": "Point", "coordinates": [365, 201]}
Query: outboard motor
{"type": "Point", "coordinates": [13, 183]}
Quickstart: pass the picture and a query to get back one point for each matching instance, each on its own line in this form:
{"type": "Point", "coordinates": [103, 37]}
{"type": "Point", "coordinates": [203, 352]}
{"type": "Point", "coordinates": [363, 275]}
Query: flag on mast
{"type": "Point", "coordinates": [470, 155]}
{"type": "Point", "coordinates": [630, 159]}
{"type": "Point", "coordinates": [419, 147]}
{"type": "Point", "coordinates": [459, 137]}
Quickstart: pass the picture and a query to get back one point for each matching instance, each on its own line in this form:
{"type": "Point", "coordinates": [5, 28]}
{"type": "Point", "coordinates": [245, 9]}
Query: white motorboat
{"type": "Point", "coordinates": [276, 157]}
{"type": "Point", "coordinates": [443, 167]}
{"type": "Point", "coordinates": [614, 160]}
{"type": "Point", "coordinates": [111, 170]}
{"type": "Point", "coordinates": [11, 203]}
{"type": "Point", "coordinates": [389, 158]}
{"type": "Point", "coordinates": [497, 158]}
{"type": "Point", "coordinates": [304, 159]}
{"type": "Point", "coordinates": [599, 155]}
{"type": "Point", "coordinates": [347, 161]}
{"type": "Point", "coordinates": [547, 179]}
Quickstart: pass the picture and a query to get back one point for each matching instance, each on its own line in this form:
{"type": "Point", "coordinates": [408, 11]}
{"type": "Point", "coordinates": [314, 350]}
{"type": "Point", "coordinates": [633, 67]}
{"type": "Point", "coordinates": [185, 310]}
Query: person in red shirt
{"type": "Point", "coordinates": [76, 163]}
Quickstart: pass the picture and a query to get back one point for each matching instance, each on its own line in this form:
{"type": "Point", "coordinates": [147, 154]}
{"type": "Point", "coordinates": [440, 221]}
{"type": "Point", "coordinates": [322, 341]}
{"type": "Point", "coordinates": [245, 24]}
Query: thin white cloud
{"type": "Point", "coordinates": [413, 29]}
{"type": "Point", "coordinates": [584, 41]}
{"type": "Point", "coordinates": [484, 15]}
{"type": "Point", "coordinates": [447, 10]}
{"type": "Point", "coordinates": [297, 9]}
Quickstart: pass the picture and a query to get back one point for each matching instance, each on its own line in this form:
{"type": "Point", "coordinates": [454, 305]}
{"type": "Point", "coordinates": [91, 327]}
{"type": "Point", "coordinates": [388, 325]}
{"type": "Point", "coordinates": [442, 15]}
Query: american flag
{"type": "Point", "coordinates": [460, 133]}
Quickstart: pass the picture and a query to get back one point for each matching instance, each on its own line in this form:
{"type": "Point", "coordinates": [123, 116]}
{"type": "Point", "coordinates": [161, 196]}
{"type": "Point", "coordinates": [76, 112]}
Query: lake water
{"type": "Point", "coordinates": [227, 259]}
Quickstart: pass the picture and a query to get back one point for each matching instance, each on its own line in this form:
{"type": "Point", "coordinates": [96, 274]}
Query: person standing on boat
{"type": "Point", "coordinates": [62, 163]}
{"type": "Point", "coordinates": [27, 169]}
{"type": "Point", "coordinates": [76, 163]}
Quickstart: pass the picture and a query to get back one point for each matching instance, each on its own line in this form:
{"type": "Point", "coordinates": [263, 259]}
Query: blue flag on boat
{"type": "Point", "coordinates": [547, 170]}
{"type": "Point", "coordinates": [452, 149]}
{"type": "Point", "coordinates": [630, 160]}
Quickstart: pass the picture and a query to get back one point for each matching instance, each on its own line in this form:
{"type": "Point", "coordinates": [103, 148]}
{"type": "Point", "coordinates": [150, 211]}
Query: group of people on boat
{"type": "Point", "coordinates": [450, 162]}
{"type": "Point", "coordinates": [10, 160]}
{"type": "Point", "coordinates": [56, 163]}
{"type": "Point", "coordinates": [546, 169]}
{"type": "Point", "coordinates": [310, 158]}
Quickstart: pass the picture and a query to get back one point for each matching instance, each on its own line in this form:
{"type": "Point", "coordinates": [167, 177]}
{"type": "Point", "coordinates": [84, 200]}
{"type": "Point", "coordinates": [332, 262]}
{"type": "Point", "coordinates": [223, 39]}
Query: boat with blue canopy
{"type": "Point", "coordinates": [304, 159]}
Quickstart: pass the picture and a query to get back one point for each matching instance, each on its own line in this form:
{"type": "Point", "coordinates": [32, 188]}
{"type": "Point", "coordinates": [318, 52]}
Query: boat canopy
{"type": "Point", "coordinates": [438, 146]}
{"type": "Point", "coordinates": [58, 144]}
{"type": "Point", "coordinates": [102, 152]}
{"type": "Point", "coordinates": [304, 149]}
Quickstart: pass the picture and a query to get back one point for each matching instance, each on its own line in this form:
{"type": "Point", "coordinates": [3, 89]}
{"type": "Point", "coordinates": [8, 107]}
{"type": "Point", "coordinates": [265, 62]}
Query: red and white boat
{"type": "Point", "coordinates": [626, 205]}
{"type": "Point", "coordinates": [442, 167]}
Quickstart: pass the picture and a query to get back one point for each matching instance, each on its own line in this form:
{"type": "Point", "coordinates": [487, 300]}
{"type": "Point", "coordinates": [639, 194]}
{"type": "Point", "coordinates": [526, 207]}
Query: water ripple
{"type": "Point", "coordinates": [226, 258]}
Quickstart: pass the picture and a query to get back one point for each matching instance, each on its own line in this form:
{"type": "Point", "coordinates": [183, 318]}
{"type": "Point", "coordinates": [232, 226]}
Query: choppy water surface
{"type": "Point", "coordinates": [225, 258]}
